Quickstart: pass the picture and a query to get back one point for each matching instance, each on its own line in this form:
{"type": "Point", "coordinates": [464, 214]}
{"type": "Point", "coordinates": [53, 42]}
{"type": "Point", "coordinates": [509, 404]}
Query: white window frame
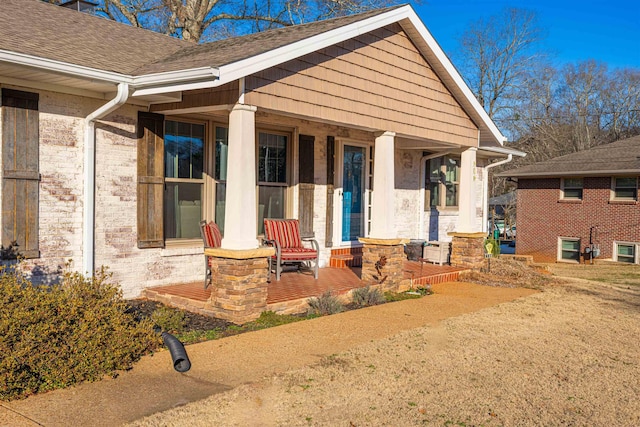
{"type": "Point", "coordinates": [178, 241]}
{"type": "Point", "coordinates": [564, 187]}
{"type": "Point", "coordinates": [636, 251]}
{"type": "Point", "coordinates": [441, 183]}
{"type": "Point", "coordinates": [614, 187]}
{"type": "Point", "coordinates": [559, 254]}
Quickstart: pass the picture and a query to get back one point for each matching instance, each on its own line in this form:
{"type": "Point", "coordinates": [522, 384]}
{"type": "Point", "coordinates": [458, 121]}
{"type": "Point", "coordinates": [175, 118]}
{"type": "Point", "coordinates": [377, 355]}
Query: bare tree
{"type": "Point", "coordinates": [495, 55]}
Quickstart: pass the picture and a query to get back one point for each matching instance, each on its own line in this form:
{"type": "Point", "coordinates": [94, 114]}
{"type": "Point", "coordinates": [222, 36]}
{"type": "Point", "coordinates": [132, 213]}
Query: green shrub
{"type": "Point", "coordinates": [59, 335]}
{"type": "Point", "coordinates": [325, 304]}
{"type": "Point", "coordinates": [367, 296]}
{"type": "Point", "coordinates": [399, 296]}
{"type": "Point", "coordinates": [169, 319]}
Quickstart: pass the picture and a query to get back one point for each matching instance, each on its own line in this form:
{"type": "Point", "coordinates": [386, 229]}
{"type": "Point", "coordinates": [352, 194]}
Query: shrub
{"type": "Point", "coordinates": [367, 296]}
{"type": "Point", "coordinates": [59, 335]}
{"type": "Point", "coordinates": [325, 304]}
{"type": "Point", "coordinates": [169, 319]}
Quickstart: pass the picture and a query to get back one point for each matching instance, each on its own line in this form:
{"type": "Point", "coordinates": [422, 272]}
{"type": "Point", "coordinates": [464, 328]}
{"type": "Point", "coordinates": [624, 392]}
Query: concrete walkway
{"type": "Point", "coordinates": [153, 386]}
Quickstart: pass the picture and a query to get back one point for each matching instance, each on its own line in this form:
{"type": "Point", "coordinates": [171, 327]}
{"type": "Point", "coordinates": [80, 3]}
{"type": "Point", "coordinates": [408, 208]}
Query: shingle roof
{"type": "Point", "coordinates": [618, 157]}
{"type": "Point", "coordinates": [228, 51]}
{"type": "Point", "coordinates": [30, 26]}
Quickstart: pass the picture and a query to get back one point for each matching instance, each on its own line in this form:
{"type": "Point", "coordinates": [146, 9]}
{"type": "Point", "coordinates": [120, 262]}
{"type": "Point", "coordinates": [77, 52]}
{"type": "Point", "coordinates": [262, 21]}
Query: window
{"type": "Point", "coordinates": [220, 174]}
{"type": "Point", "coordinates": [625, 188]}
{"type": "Point", "coordinates": [626, 252]}
{"type": "Point", "coordinates": [442, 182]}
{"type": "Point", "coordinates": [569, 249]}
{"type": "Point", "coordinates": [272, 176]}
{"type": "Point", "coordinates": [20, 171]}
{"type": "Point", "coordinates": [183, 169]}
{"type": "Point", "coordinates": [572, 188]}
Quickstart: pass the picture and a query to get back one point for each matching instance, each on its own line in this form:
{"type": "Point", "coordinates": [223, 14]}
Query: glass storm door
{"type": "Point", "coordinates": [353, 203]}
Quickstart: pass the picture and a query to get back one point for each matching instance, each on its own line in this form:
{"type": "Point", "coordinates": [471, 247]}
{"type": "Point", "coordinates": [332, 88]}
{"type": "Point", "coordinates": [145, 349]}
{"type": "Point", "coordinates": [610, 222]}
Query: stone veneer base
{"type": "Point", "coordinates": [388, 273]}
{"type": "Point", "coordinates": [467, 250]}
{"type": "Point", "coordinates": [239, 281]}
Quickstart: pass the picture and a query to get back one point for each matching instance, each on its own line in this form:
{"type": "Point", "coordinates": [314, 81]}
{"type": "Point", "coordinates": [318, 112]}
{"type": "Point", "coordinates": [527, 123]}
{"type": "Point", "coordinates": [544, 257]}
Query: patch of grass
{"type": "Point", "coordinates": [602, 271]}
{"type": "Point", "coordinates": [399, 296]}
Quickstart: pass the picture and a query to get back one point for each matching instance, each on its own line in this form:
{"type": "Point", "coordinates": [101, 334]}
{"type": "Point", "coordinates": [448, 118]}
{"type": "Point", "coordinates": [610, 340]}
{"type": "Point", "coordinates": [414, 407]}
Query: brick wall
{"type": "Point", "coordinates": [543, 217]}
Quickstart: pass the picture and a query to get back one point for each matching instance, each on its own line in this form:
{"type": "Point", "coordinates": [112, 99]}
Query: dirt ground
{"type": "Point", "coordinates": [568, 355]}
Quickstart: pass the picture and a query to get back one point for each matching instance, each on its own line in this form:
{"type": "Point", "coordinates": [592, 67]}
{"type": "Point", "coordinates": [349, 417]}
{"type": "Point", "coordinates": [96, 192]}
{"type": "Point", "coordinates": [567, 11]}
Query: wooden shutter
{"type": "Point", "coordinates": [20, 171]}
{"type": "Point", "coordinates": [331, 153]}
{"type": "Point", "coordinates": [150, 180]}
{"type": "Point", "coordinates": [306, 186]}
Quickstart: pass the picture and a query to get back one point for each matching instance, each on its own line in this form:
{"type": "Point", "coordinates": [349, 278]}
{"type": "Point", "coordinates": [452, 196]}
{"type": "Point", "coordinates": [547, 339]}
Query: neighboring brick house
{"type": "Point", "coordinates": [571, 205]}
{"type": "Point", "coordinates": [117, 141]}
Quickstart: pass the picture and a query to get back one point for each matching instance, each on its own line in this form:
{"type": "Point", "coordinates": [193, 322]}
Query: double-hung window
{"type": "Point", "coordinates": [625, 188]}
{"type": "Point", "coordinates": [626, 252]}
{"type": "Point", "coordinates": [568, 249]}
{"type": "Point", "coordinates": [443, 182]}
{"type": "Point", "coordinates": [572, 188]}
{"type": "Point", "coordinates": [220, 173]}
{"type": "Point", "coordinates": [184, 151]}
{"type": "Point", "coordinates": [273, 153]}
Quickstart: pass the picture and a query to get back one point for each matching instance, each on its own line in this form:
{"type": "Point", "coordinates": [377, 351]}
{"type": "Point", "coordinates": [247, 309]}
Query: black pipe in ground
{"type": "Point", "coordinates": [179, 356]}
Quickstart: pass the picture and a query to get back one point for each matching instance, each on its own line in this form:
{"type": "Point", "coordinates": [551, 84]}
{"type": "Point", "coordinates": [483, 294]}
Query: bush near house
{"type": "Point", "coordinates": [56, 336]}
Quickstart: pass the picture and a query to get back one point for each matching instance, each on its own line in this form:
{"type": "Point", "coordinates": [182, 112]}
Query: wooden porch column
{"type": "Point", "coordinates": [383, 202]}
{"type": "Point", "coordinates": [467, 217]}
{"type": "Point", "coordinates": [240, 219]}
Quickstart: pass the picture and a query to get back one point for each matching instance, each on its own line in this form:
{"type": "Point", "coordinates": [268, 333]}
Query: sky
{"type": "Point", "coordinates": [607, 31]}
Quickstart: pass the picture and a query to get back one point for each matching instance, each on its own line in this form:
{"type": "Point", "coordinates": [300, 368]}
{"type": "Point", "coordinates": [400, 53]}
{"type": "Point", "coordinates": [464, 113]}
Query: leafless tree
{"type": "Point", "coordinates": [495, 55]}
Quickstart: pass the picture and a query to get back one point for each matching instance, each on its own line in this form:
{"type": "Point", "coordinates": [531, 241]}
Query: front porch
{"type": "Point", "coordinates": [290, 294]}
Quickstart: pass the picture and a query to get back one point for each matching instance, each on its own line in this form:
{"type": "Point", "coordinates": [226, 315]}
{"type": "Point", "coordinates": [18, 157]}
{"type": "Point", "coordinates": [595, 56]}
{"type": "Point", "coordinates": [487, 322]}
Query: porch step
{"type": "Point", "coordinates": [346, 257]}
{"type": "Point", "coordinates": [345, 261]}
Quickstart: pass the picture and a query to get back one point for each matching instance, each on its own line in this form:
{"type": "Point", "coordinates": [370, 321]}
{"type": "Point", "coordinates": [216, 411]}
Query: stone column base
{"type": "Point", "coordinates": [467, 250]}
{"type": "Point", "coordinates": [383, 262]}
{"type": "Point", "coordinates": [239, 280]}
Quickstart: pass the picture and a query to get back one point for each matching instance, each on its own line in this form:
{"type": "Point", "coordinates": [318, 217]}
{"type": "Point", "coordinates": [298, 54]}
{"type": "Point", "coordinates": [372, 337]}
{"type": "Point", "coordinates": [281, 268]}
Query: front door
{"type": "Point", "coordinates": [354, 167]}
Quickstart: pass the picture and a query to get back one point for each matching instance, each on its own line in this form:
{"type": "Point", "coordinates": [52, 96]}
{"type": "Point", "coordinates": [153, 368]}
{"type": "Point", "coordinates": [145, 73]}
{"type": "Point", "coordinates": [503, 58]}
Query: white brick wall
{"type": "Point", "coordinates": [61, 197]}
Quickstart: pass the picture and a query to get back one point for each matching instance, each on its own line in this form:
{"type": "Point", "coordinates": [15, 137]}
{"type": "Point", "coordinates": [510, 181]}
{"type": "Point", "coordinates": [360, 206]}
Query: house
{"type": "Point", "coordinates": [582, 204]}
{"type": "Point", "coordinates": [116, 140]}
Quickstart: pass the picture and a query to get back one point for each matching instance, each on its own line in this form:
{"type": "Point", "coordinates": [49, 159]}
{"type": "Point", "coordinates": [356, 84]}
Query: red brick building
{"type": "Point", "coordinates": [582, 203]}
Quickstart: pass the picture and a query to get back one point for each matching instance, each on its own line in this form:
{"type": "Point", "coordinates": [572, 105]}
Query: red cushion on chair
{"type": "Point", "coordinates": [297, 254]}
{"type": "Point", "coordinates": [284, 231]}
{"type": "Point", "coordinates": [212, 235]}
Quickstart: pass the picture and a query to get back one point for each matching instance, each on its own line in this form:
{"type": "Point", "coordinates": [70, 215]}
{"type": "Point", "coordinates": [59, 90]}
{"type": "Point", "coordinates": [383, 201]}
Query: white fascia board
{"type": "Point", "coordinates": [503, 150]}
{"type": "Point", "coordinates": [177, 87]}
{"type": "Point", "coordinates": [169, 77]}
{"type": "Point", "coordinates": [63, 67]}
{"type": "Point", "coordinates": [453, 72]}
{"type": "Point", "coordinates": [255, 64]}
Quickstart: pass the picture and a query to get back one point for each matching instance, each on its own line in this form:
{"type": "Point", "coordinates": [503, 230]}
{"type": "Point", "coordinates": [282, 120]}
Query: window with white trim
{"type": "Point", "coordinates": [568, 249]}
{"type": "Point", "coordinates": [442, 182]}
{"type": "Point", "coordinates": [572, 188]}
{"type": "Point", "coordinates": [273, 173]}
{"type": "Point", "coordinates": [220, 173]}
{"type": "Point", "coordinates": [626, 252]}
{"type": "Point", "coordinates": [184, 148]}
{"type": "Point", "coordinates": [625, 188]}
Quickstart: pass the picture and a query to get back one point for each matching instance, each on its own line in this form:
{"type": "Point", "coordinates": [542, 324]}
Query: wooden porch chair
{"type": "Point", "coordinates": [212, 238]}
{"type": "Point", "coordinates": [284, 235]}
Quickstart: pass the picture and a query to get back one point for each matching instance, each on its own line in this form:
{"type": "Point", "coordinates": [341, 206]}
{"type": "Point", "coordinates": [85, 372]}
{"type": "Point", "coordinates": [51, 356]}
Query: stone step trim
{"type": "Point", "coordinates": [345, 261]}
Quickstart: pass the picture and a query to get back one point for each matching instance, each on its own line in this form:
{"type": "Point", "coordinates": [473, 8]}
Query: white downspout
{"type": "Point", "coordinates": [485, 189]}
{"type": "Point", "coordinates": [423, 177]}
{"type": "Point", "coordinates": [88, 232]}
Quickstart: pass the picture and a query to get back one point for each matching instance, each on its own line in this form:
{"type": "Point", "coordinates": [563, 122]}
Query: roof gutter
{"type": "Point", "coordinates": [89, 214]}
{"type": "Point", "coordinates": [62, 67]}
{"type": "Point", "coordinates": [503, 150]}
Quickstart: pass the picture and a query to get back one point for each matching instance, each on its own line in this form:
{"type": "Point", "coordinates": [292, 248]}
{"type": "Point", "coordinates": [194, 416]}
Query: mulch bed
{"type": "Point", "coordinates": [193, 322]}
